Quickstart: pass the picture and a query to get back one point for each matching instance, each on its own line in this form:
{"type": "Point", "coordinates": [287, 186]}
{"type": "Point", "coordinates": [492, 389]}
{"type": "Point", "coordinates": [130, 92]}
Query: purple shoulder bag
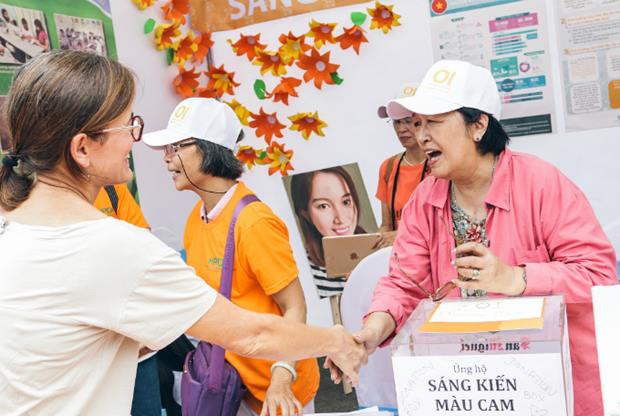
{"type": "Point", "coordinates": [211, 386]}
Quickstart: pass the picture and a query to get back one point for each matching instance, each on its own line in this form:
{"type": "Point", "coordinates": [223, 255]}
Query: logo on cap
{"type": "Point", "coordinates": [181, 112]}
{"type": "Point", "coordinates": [443, 76]}
{"type": "Point", "coordinates": [409, 91]}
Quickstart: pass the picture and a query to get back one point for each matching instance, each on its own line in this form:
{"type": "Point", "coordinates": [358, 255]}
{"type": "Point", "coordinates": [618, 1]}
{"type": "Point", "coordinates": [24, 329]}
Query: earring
{"type": "Point", "coordinates": [477, 139]}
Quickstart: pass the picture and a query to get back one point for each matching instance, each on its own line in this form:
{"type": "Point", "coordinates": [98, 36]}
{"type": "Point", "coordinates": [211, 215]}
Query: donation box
{"type": "Point", "coordinates": [484, 356]}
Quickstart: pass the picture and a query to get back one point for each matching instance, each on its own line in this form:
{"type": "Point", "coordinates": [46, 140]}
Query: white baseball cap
{"type": "Point", "coordinates": [405, 90]}
{"type": "Point", "coordinates": [200, 118]}
{"type": "Point", "coordinates": [447, 86]}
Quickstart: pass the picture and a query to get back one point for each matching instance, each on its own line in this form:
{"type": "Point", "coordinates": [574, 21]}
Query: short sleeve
{"type": "Point", "coordinates": [275, 267]}
{"type": "Point", "coordinates": [382, 187]}
{"type": "Point", "coordinates": [167, 300]}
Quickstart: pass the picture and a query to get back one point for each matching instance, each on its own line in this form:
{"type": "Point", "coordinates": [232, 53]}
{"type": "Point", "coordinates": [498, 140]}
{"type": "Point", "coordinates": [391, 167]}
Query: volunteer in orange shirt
{"type": "Point", "coordinates": [399, 175]}
{"type": "Point", "coordinates": [198, 150]}
{"type": "Point", "coordinates": [124, 208]}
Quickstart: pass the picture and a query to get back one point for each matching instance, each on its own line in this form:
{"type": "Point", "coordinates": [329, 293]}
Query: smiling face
{"type": "Point", "coordinates": [110, 162]}
{"type": "Point", "coordinates": [183, 159]}
{"type": "Point", "coordinates": [448, 143]}
{"type": "Point", "coordinates": [332, 209]}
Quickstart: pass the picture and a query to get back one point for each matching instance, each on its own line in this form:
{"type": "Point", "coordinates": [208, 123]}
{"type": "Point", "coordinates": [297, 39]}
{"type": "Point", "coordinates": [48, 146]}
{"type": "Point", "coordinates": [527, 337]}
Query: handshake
{"type": "Point", "coordinates": [350, 352]}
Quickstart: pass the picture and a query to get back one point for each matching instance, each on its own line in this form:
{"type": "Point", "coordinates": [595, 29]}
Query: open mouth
{"type": "Point", "coordinates": [433, 155]}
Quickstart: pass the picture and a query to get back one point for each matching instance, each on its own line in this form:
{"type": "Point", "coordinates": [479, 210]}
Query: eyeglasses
{"type": "Point", "coordinates": [174, 148]}
{"type": "Point", "coordinates": [441, 292]}
{"type": "Point", "coordinates": [136, 126]}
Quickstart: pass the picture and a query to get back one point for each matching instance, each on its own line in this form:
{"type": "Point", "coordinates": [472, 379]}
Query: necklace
{"type": "Point", "coordinates": [407, 160]}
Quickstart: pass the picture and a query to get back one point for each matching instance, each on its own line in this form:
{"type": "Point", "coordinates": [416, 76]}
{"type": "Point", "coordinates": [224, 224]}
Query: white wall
{"type": "Point", "coordinates": [354, 133]}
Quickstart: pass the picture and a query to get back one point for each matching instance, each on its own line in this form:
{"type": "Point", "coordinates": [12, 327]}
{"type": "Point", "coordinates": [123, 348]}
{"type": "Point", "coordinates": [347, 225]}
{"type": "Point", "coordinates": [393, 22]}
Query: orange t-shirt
{"type": "Point", "coordinates": [408, 179]}
{"type": "Point", "coordinates": [263, 265]}
{"type": "Point", "coordinates": [128, 209]}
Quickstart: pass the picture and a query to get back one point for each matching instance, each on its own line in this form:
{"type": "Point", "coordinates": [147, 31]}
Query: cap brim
{"type": "Point", "coordinates": [382, 112]}
{"type": "Point", "coordinates": [427, 106]}
{"type": "Point", "coordinates": [164, 137]}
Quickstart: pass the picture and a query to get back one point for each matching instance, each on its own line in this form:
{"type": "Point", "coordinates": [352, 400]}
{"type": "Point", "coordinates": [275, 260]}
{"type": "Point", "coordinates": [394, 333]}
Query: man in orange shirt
{"type": "Point", "coordinates": [198, 150]}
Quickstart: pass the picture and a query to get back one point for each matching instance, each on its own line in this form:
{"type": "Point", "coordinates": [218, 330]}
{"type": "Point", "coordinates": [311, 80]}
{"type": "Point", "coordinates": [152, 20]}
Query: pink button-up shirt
{"type": "Point", "coordinates": [537, 218]}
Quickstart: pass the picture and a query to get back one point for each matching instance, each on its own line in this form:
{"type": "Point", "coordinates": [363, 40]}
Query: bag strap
{"type": "Point", "coordinates": [388, 169]}
{"type": "Point", "coordinates": [111, 191]}
{"type": "Point", "coordinates": [216, 365]}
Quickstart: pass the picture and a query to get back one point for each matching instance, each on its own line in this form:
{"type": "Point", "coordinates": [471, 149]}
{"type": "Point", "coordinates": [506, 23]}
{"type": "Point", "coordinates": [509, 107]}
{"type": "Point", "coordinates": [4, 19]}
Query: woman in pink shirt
{"type": "Point", "coordinates": [490, 220]}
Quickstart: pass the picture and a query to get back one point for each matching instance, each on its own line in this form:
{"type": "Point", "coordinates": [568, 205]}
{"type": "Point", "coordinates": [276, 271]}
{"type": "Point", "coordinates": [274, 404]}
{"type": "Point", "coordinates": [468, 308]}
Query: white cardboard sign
{"type": "Point", "coordinates": [515, 384]}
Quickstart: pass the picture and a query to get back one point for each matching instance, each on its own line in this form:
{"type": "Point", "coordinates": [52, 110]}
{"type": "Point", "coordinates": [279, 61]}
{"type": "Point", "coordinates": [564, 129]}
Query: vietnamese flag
{"type": "Point", "coordinates": [439, 6]}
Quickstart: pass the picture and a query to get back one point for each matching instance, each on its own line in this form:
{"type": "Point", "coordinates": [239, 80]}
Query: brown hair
{"type": "Point", "coordinates": [301, 187]}
{"type": "Point", "coordinates": [53, 97]}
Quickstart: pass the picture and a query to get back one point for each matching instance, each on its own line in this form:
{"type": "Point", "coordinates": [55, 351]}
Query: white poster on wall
{"type": "Point", "coordinates": [589, 46]}
{"type": "Point", "coordinates": [510, 38]}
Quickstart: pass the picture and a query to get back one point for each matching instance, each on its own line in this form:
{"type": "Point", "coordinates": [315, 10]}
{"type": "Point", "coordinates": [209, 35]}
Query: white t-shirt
{"type": "Point", "coordinates": [76, 304]}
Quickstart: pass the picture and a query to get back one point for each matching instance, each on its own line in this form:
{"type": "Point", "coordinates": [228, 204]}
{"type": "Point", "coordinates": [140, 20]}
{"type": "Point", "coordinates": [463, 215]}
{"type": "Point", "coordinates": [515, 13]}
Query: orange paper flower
{"type": "Point", "coordinates": [318, 68]}
{"type": "Point", "coordinates": [247, 45]}
{"type": "Point", "coordinates": [280, 159]}
{"type": "Point", "coordinates": [143, 4]}
{"type": "Point", "coordinates": [241, 111]}
{"type": "Point", "coordinates": [307, 123]}
{"type": "Point", "coordinates": [284, 89]}
{"type": "Point", "coordinates": [184, 49]}
{"type": "Point", "coordinates": [203, 44]}
{"type": "Point", "coordinates": [175, 10]}
{"type": "Point", "coordinates": [266, 125]}
{"type": "Point", "coordinates": [270, 61]}
{"type": "Point", "coordinates": [164, 35]}
{"type": "Point", "coordinates": [221, 80]}
{"type": "Point", "coordinates": [186, 82]}
{"type": "Point", "coordinates": [292, 47]}
{"type": "Point", "coordinates": [208, 93]}
{"type": "Point", "coordinates": [353, 36]}
{"type": "Point", "coordinates": [322, 33]}
{"type": "Point", "coordinates": [383, 17]}
{"type": "Point", "coordinates": [248, 155]}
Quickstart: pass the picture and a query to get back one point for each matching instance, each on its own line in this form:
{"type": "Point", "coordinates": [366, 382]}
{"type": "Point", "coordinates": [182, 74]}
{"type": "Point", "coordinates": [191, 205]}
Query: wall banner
{"type": "Point", "coordinates": [218, 15]}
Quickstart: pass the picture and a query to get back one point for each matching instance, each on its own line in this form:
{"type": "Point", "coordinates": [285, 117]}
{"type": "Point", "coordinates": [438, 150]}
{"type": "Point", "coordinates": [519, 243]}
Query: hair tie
{"type": "Point", "coordinates": [10, 161]}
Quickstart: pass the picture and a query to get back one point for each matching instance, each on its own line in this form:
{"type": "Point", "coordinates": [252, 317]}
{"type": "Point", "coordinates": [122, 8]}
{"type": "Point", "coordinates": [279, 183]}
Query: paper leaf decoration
{"type": "Point", "coordinates": [358, 18]}
{"type": "Point", "coordinates": [352, 37]}
{"type": "Point", "coordinates": [318, 68]}
{"type": "Point", "coordinates": [149, 25]}
{"type": "Point", "coordinates": [280, 159]}
{"type": "Point", "coordinates": [336, 78]}
{"type": "Point", "coordinates": [260, 89]}
{"type": "Point", "coordinates": [266, 125]}
{"type": "Point", "coordinates": [322, 33]}
{"type": "Point", "coordinates": [307, 123]}
{"type": "Point", "coordinates": [383, 17]}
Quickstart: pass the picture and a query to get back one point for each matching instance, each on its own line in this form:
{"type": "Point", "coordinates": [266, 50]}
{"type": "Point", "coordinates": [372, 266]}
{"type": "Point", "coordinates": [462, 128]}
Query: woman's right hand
{"type": "Point", "coordinates": [386, 240]}
{"type": "Point", "coordinates": [349, 355]}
